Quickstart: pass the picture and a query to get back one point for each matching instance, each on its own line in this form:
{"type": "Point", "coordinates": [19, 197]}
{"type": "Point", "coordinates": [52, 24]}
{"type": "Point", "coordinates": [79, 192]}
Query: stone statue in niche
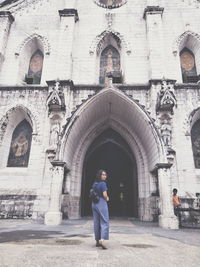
{"type": "Point", "coordinates": [54, 135]}
{"type": "Point", "coordinates": [166, 132]}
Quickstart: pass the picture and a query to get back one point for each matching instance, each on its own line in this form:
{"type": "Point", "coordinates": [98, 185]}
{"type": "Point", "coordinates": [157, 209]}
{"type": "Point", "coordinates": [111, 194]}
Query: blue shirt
{"type": "Point", "coordinates": [100, 187]}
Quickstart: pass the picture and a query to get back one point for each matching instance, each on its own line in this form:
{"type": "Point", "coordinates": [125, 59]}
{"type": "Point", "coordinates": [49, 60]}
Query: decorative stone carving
{"type": "Point", "coordinates": [56, 100]}
{"type": "Point", "coordinates": [109, 18]}
{"type": "Point", "coordinates": [166, 99]}
{"type": "Point", "coordinates": [42, 39]}
{"type": "Point", "coordinates": [180, 39]}
{"type": "Point", "coordinates": [22, 4]}
{"type": "Point", "coordinates": [166, 132]}
{"type": "Point", "coordinates": [3, 125]}
{"type": "Point", "coordinates": [97, 43]}
{"type": "Point", "coordinates": [31, 114]}
{"type": "Point", "coordinates": [54, 133]}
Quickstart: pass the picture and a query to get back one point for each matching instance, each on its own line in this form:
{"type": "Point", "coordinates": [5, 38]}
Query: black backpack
{"type": "Point", "coordinates": [94, 196]}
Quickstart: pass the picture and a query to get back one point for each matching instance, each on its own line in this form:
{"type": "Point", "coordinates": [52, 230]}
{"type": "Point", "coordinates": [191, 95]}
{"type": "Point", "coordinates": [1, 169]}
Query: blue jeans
{"type": "Point", "coordinates": [101, 219]}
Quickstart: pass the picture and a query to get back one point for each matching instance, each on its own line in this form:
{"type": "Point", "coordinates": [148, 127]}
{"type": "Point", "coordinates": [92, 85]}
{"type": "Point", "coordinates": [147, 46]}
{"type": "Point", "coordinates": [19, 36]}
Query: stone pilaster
{"type": "Point", "coordinates": [6, 19]}
{"type": "Point", "coordinates": [68, 18]}
{"type": "Point", "coordinates": [54, 215]}
{"type": "Point", "coordinates": [167, 219]}
{"type": "Point", "coordinates": [153, 17]}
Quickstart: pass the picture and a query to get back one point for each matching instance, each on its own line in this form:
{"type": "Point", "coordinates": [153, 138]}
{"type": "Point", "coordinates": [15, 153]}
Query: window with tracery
{"type": "Point", "coordinates": [188, 66]}
{"type": "Point", "coordinates": [110, 65]}
{"type": "Point", "coordinates": [195, 136]}
{"type": "Point", "coordinates": [20, 145]}
{"type": "Point", "coordinates": [35, 68]}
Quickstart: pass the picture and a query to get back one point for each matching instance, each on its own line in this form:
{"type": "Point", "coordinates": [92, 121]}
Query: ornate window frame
{"type": "Point", "coordinates": [111, 6]}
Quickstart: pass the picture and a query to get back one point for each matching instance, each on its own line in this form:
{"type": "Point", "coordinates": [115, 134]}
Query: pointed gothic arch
{"type": "Point", "coordinates": [20, 145]}
{"type": "Point", "coordinates": [131, 121]}
{"type": "Point", "coordinates": [13, 117]}
{"type": "Point", "coordinates": [98, 42]}
{"type": "Point", "coordinates": [189, 41]}
{"type": "Point", "coordinates": [179, 43]}
{"type": "Point", "coordinates": [31, 46]}
{"type": "Point", "coordinates": [44, 47]}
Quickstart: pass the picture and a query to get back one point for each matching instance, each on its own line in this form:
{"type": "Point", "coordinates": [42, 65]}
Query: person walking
{"type": "Point", "coordinates": [100, 210]}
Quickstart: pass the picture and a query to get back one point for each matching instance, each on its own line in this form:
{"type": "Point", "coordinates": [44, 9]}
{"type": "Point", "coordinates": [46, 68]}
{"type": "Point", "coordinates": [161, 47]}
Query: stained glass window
{"type": "Point", "coordinates": [195, 136]}
{"type": "Point", "coordinates": [20, 145]}
{"type": "Point", "coordinates": [110, 2]}
{"type": "Point", "coordinates": [188, 66]}
{"type": "Point", "coordinates": [35, 68]}
{"type": "Point", "coordinates": [110, 65]}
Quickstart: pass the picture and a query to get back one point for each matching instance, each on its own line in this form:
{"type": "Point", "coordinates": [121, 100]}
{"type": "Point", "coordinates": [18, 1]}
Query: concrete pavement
{"type": "Point", "coordinates": [132, 243]}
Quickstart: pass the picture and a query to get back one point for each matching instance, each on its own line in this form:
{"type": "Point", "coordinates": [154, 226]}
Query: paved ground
{"type": "Point", "coordinates": [132, 243]}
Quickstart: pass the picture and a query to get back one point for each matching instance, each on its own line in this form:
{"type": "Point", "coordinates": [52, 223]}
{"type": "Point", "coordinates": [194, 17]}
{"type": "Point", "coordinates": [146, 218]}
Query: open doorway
{"type": "Point", "coordinates": [110, 152]}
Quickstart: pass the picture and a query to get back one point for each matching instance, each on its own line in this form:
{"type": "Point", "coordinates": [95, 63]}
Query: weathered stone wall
{"type": "Point", "coordinates": [150, 45]}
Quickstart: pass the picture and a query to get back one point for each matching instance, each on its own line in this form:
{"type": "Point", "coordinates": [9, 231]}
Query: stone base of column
{"type": "Point", "coordinates": [53, 218]}
{"type": "Point", "coordinates": [168, 222]}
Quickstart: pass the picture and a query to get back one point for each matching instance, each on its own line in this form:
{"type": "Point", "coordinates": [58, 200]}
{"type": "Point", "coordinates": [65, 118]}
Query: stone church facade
{"type": "Point", "coordinates": [79, 77]}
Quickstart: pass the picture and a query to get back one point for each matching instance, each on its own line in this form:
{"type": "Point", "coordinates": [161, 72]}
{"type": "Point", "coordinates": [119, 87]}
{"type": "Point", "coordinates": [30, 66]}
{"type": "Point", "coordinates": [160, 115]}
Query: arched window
{"type": "Point", "coordinates": [20, 145]}
{"type": "Point", "coordinates": [35, 68]}
{"type": "Point", "coordinates": [188, 66]}
{"type": "Point", "coordinates": [195, 136]}
{"type": "Point", "coordinates": [110, 65]}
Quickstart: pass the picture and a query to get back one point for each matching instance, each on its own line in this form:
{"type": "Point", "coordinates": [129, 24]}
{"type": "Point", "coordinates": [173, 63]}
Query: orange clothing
{"type": "Point", "coordinates": [176, 201]}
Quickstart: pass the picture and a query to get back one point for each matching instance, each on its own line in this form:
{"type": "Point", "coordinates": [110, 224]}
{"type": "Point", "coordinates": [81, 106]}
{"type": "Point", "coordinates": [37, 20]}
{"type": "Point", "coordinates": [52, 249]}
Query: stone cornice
{"type": "Point", "coordinates": [69, 12]}
{"type": "Point", "coordinates": [58, 163]}
{"type": "Point", "coordinates": [23, 87]}
{"type": "Point", "coordinates": [161, 166]}
{"type": "Point", "coordinates": [7, 14]}
{"type": "Point", "coordinates": [62, 83]}
{"type": "Point", "coordinates": [187, 86]}
{"type": "Point", "coordinates": [150, 10]}
{"type": "Point", "coordinates": [157, 81]}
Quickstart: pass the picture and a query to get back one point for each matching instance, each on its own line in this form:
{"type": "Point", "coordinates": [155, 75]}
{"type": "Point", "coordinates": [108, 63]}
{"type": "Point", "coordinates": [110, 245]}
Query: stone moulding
{"type": "Point", "coordinates": [97, 42]}
{"type": "Point", "coordinates": [20, 5]}
{"type": "Point", "coordinates": [62, 83]}
{"type": "Point", "coordinates": [180, 39]}
{"type": "Point", "coordinates": [69, 12]}
{"type": "Point", "coordinates": [42, 39]}
{"type": "Point", "coordinates": [164, 165]}
{"type": "Point", "coordinates": [31, 114]}
{"type": "Point", "coordinates": [7, 14]}
{"type": "Point", "coordinates": [150, 10]}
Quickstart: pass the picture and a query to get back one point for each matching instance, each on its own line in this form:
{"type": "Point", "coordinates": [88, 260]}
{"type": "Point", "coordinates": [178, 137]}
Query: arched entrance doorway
{"type": "Point", "coordinates": [109, 151]}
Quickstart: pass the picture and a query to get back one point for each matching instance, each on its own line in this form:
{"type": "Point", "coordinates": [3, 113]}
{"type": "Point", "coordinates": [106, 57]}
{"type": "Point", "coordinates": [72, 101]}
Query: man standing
{"type": "Point", "coordinates": [176, 204]}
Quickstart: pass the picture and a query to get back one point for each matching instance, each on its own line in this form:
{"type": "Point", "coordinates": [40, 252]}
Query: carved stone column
{"type": "Point", "coordinates": [54, 215]}
{"type": "Point", "coordinates": [6, 19]}
{"type": "Point", "coordinates": [167, 219]}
